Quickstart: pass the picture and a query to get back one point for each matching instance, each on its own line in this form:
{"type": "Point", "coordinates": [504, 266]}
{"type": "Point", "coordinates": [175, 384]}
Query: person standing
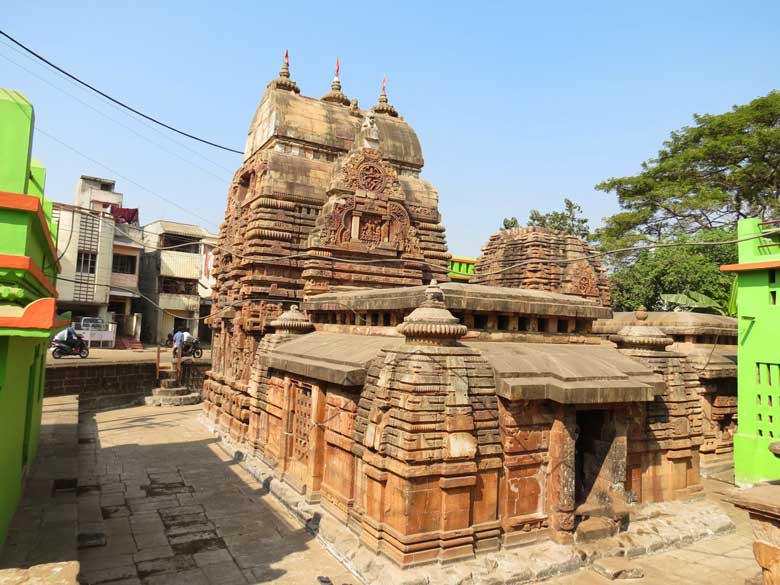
{"type": "Point", "coordinates": [178, 339]}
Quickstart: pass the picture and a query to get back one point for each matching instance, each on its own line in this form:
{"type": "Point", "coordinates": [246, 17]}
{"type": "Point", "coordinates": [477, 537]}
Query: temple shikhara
{"type": "Point", "coordinates": [423, 421]}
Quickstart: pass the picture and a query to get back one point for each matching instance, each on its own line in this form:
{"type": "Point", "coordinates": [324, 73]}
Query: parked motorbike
{"type": "Point", "coordinates": [60, 349]}
{"type": "Point", "coordinates": [192, 349]}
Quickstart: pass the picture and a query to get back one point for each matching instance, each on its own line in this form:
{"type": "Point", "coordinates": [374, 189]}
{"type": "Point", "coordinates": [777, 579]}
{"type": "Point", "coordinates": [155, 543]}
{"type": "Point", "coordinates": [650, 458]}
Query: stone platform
{"type": "Point", "coordinates": [652, 528]}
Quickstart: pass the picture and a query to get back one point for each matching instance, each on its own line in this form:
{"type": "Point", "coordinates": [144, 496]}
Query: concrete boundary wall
{"type": "Point", "coordinates": [105, 385]}
{"type": "Point", "coordinates": [102, 385]}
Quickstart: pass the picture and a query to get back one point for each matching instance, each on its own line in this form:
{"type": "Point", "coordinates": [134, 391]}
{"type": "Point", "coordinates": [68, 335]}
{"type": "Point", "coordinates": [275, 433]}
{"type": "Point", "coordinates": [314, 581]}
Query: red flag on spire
{"type": "Point", "coordinates": [338, 66]}
{"type": "Point", "coordinates": [286, 57]}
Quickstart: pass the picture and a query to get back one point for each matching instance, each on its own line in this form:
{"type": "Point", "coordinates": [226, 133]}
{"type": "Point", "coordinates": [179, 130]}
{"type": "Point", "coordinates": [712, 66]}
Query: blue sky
{"type": "Point", "coordinates": [517, 105]}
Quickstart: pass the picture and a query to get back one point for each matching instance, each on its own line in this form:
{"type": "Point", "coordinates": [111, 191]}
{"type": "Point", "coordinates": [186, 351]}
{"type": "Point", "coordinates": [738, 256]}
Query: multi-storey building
{"type": "Point", "coordinates": [172, 277]}
{"type": "Point", "coordinates": [100, 247]}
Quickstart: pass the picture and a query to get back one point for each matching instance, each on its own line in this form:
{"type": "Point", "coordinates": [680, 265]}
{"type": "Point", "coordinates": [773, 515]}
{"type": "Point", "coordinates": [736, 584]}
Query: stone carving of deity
{"type": "Point", "coordinates": [370, 132]}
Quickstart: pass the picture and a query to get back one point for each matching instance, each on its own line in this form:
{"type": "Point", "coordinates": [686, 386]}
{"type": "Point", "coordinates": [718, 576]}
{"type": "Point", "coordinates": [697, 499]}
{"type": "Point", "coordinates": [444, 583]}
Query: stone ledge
{"type": "Point", "coordinates": [656, 527]}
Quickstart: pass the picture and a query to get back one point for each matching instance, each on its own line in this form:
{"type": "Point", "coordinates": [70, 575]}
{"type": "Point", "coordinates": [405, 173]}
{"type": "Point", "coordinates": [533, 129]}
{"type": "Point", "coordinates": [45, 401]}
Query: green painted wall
{"type": "Point", "coordinates": [22, 350]}
{"type": "Point", "coordinates": [21, 400]}
{"type": "Point", "coordinates": [16, 132]}
{"type": "Point", "coordinates": [758, 368]}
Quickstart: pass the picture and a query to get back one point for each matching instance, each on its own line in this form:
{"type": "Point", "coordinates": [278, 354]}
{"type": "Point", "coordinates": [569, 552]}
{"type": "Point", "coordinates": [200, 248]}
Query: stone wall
{"type": "Point", "coordinates": [193, 373]}
{"type": "Point", "coordinates": [102, 385]}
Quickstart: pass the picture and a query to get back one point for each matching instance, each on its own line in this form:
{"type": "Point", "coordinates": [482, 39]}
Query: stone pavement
{"type": "Point", "coordinates": [41, 545]}
{"type": "Point", "coordinates": [725, 560]}
{"type": "Point", "coordinates": [176, 509]}
{"type": "Point", "coordinates": [159, 502]}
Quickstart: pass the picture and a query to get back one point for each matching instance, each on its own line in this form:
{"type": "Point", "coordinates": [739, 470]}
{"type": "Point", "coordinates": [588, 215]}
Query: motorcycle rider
{"type": "Point", "coordinates": [68, 336]}
{"type": "Point", "coordinates": [186, 342]}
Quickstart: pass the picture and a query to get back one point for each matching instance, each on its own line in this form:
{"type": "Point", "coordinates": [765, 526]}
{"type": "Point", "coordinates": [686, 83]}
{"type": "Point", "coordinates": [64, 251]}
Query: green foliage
{"type": "Point", "coordinates": [723, 168]}
{"type": "Point", "coordinates": [509, 223]}
{"type": "Point", "coordinates": [568, 220]}
{"type": "Point", "coordinates": [694, 301]}
{"type": "Point", "coordinates": [684, 269]}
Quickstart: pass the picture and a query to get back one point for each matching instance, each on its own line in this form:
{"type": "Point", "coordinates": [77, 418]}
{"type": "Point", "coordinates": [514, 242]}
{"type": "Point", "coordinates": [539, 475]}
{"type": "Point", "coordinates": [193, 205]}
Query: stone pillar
{"type": "Point", "coordinates": [763, 504]}
{"type": "Point", "coordinates": [562, 474]}
{"type": "Point", "coordinates": [316, 445]}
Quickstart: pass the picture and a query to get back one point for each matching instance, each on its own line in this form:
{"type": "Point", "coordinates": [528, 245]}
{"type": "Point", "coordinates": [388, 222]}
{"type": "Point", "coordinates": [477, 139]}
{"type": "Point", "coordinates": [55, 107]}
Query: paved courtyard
{"type": "Point", "coordinates": [160, 503]}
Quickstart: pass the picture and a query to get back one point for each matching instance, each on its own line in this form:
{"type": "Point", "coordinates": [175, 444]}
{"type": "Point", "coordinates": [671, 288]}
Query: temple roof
{"type": "Point", "coordinates": [285, 114]}
{"type": "Point", "coordinates": [671, 323]}
{"type": "Point", "coordinates": [582, 374]}
{"type": "Point", "coordinates": [460, 296]}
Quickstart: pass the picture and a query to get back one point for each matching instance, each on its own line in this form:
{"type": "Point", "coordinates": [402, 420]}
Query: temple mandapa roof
{"type": "Point", "coordinates": [568, 374]}
{"type": "Point", "coordinates": [461, 296]}
{"type": "Point", "coordinates": [671, 323]}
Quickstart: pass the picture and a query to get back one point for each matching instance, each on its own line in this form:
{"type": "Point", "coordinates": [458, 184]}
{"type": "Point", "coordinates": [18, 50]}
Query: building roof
{"type": "Point", "coordinates": [671, 323]}
{"type": "Point", "coordinates": [581, 374]}
{"type": "Point", "coordinates": [98, 179]}
{"type": "Point", "coordinates": [460, 296]}
{"type": "Point", "coordinates": [183, 229]}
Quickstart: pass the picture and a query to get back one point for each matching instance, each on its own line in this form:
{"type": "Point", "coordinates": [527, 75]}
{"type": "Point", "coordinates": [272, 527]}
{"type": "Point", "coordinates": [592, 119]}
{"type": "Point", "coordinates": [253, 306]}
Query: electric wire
{"type": "Point", "coordinates": [219, 178]}
{"type": "Point", "coordinates": [166, 135]}
{"type": "Point", "coordinates": [563, 261]}
{"type": "Point", "coordinates": [114, 100]}
{"type": "Point", "coordinates": [121, 176]}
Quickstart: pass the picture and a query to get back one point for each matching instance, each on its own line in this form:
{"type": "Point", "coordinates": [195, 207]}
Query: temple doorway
{"type": "Point", "coordinates": [593, 469]}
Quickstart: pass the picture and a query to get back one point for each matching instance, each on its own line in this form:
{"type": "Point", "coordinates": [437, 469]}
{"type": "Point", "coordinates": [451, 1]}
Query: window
{"type": "Point", "coordinates": [178, 286]}
{"type": "Point", "coordinates": [123, 264]}
{"type": "Point", "coordinates": [179, 243]}
{"type": "Point", "coordinates": [85, 262]}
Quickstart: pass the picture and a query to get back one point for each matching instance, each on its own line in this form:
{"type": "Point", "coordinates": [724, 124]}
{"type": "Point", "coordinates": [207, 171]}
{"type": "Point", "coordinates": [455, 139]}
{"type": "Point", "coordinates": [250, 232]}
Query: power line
{"type": "Point", "coordinates": [121, 176]}
{"type": "Point", "coordinates": [151, 127]}
{"type": "Point", "coordinates": [562, 261]}
{"type": "Point", "coordinates": [123, 125]}
{"type": "Point", "coordinates": [114, 100]}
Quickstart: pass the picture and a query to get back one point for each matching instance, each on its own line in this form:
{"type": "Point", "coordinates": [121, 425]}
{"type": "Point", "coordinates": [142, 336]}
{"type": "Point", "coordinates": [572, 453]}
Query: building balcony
{"type": "Point", "coordinates": [177, 302]}
{"type": "Point", "coordinates": [180, 264]}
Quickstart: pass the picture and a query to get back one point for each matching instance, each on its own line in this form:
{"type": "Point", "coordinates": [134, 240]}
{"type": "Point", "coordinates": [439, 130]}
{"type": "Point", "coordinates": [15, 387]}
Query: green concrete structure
{"type": "Point", "coordinates": [28, 271]}
{"type": "Point", "coordinates": [758, 368]}
{"type": "Point", "coordinates": [461, 269]}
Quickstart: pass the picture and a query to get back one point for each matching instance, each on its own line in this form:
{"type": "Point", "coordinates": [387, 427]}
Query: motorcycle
{"type": "Point", "coordinates": [60, 349]}
{"type": "Point", "coordinates": [192, 349]}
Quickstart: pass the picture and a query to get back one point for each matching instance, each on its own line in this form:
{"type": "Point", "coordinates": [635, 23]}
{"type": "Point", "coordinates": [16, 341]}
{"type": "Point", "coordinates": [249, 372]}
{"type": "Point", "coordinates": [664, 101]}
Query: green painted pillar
{"type": "Point", "coordinates": [758, 367]}
{"type": "Point", "coordinates": [16, 131]}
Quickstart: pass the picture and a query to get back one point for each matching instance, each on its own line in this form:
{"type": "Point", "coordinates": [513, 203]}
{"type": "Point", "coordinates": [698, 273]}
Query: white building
{"type": "Point", "coordinates": [175, 274]}
{"type": "Point", "coordinates": [100, 259]}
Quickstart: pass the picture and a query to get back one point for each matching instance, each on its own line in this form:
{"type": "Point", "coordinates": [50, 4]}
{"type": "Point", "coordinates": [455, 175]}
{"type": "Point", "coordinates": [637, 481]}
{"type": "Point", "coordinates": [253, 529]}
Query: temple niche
{"type": "Point", "coordinates": [417, 422]}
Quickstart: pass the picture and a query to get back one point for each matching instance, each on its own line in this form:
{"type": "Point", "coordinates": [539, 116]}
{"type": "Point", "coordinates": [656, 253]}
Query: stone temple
{"type": "Point", "coordinates": [420, 422]}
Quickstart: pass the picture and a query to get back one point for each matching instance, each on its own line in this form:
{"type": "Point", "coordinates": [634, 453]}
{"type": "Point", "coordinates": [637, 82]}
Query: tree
{"type": "Point", "coordinates": [567, 220]}
{"type": "Point", "coordinates": [509, 223]}
{"type": "Point", "coordinates": [696, 301]}
{"type": "Point", "coordinates": [709, 175]}
{"type": "Point", "coordinates": [675, 270]}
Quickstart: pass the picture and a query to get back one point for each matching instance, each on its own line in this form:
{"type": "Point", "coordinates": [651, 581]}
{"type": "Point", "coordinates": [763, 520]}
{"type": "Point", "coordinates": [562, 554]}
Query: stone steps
{"type": "Point", "coordinates": [173, 400]}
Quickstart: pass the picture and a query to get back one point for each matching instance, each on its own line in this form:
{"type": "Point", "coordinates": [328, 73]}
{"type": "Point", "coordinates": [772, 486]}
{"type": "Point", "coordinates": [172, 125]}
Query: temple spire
{"type": "Point", "coordinates": [335, 95]}
{"type": "Point", "coordinates": [384, 107]}
{"type": "Point", "coordinates": [283, 81]}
